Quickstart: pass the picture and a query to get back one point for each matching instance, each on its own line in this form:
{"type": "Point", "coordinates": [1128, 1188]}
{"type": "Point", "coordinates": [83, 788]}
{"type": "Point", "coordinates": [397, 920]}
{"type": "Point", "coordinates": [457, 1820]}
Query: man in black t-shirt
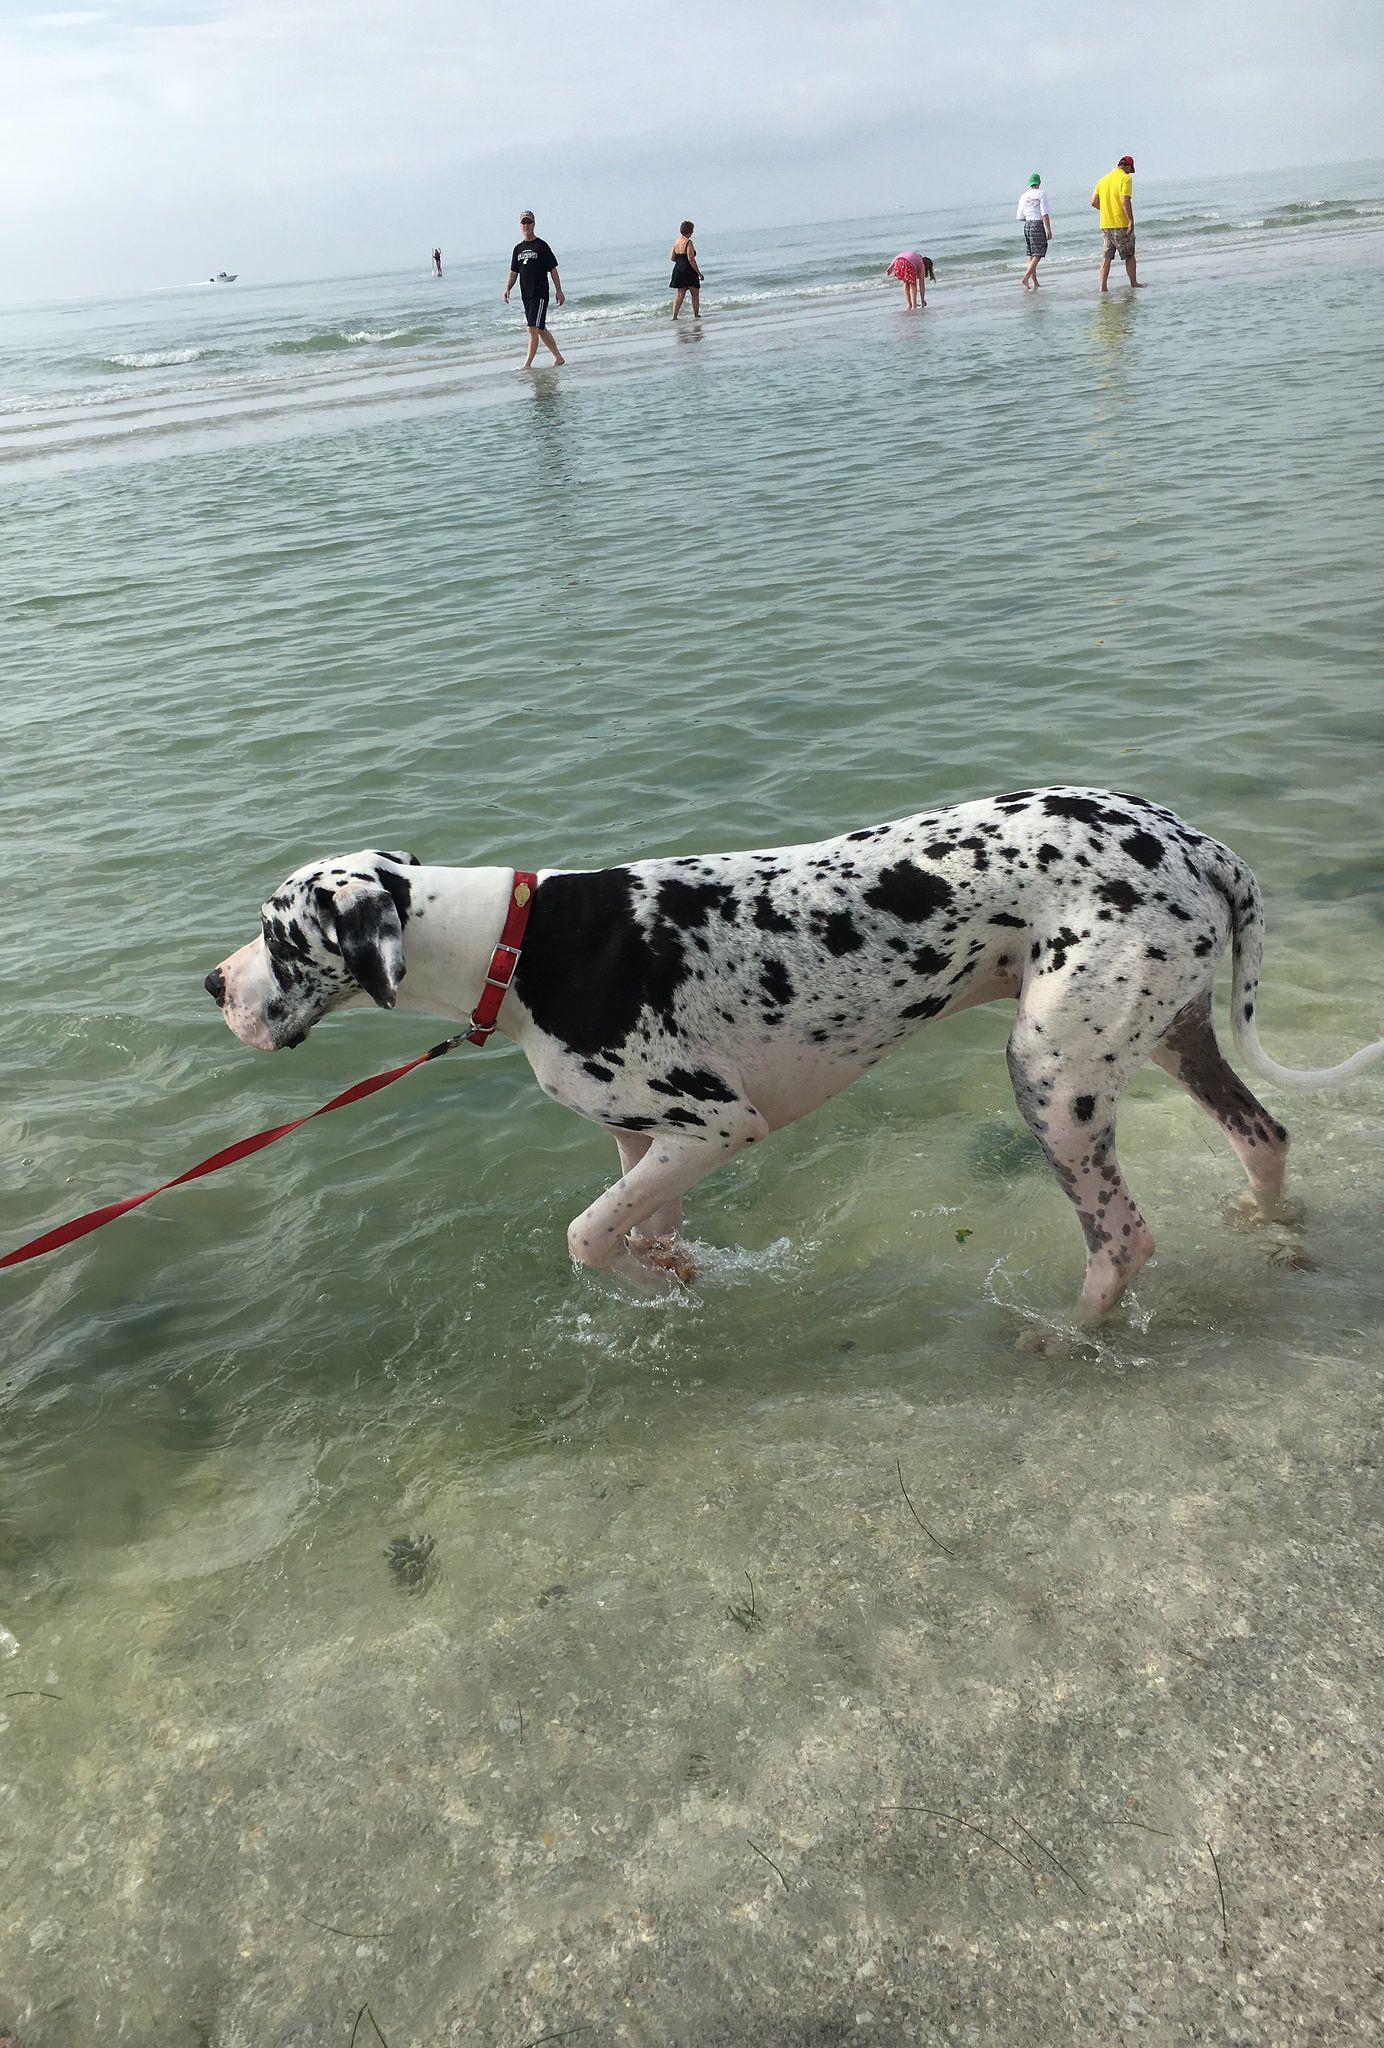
{"type": "Point", "coordinates": [531, 265]}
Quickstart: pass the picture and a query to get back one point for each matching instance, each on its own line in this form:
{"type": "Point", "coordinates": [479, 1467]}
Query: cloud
{"type": "Point", "coordinates": [144, 135]}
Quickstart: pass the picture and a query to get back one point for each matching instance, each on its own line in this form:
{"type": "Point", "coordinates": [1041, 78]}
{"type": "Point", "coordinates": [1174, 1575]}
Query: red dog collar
{"type": "Point", "coordinates": [504, 960]}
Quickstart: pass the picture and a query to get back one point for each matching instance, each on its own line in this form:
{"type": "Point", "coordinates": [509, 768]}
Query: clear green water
{"type": "Point", "coordinates": [806, 569]}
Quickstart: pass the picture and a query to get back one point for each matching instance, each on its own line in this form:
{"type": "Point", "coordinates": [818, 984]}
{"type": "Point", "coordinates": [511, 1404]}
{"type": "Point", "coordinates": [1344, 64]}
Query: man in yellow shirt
{"type": "Point", "coordinates": [1113, 196]}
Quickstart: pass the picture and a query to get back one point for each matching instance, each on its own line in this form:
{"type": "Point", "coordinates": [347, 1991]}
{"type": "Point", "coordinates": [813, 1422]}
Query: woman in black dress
{"type": "Point", "coordinates": [687, 276]}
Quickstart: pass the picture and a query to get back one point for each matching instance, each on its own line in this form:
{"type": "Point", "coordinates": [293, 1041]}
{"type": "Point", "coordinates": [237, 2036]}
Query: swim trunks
{"type": "Point", "coordinates": [1119, 242]}
{"type": "Point", "coordinates": [1035, 238]}
{"type": "Point", "coordinates": [532, 263]}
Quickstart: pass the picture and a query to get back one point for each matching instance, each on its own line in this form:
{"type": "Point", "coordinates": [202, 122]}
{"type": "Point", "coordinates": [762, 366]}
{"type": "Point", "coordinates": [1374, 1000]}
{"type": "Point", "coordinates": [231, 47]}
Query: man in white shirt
{"type": "Point", "coordinates": [1033, 212]}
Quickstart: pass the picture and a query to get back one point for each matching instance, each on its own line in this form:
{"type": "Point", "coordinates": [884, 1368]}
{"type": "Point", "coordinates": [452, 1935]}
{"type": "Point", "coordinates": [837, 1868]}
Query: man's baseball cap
{"type": "Point", "coordinates": [1035, 179]}
{"type": "Point", "coordinates": [1126, 163]}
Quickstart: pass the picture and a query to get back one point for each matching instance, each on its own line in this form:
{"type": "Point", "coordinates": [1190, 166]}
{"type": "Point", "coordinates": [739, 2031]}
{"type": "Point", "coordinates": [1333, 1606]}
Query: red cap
{"type": "Point", "coordinates": [1126, 163]}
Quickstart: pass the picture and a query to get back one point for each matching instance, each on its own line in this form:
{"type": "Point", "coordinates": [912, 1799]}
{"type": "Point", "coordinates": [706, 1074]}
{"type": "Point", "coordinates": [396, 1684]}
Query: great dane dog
{"type": "Point", "coordinates": [693, 1005]}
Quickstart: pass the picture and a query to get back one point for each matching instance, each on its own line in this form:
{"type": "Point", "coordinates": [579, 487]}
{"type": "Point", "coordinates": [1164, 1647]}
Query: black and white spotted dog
{"type": "Point", "coordinates": [694, 1005]}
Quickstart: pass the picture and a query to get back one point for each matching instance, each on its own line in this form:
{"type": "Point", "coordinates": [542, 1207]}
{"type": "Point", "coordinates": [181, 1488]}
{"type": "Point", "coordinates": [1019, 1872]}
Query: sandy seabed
{"type": "Point", "coordinates": [734, 1741]}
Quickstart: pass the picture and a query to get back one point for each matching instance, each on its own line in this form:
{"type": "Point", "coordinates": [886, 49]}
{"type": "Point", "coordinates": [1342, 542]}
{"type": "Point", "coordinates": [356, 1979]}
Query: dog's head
{"type": "Point", "coordinates": [333, 934]}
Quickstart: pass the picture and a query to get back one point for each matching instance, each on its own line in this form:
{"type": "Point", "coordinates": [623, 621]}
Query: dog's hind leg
{"type": "Point", "coordinates": [1189, 1053]}
{"type": "Point", "coordinates": [1067, 1098]}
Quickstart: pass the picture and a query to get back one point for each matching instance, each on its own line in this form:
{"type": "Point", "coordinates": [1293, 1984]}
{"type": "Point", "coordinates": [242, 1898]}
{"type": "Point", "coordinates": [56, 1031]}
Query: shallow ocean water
{"type": "Point", "coordinates": [811, 566]}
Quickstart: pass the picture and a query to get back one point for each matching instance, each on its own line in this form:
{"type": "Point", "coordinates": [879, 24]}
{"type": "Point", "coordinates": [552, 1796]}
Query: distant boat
{"type": "Point", "coordinates": [224, 277]}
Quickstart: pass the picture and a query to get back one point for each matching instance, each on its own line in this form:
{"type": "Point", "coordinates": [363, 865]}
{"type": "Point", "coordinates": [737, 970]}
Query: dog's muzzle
{"type": "Point", "coordinates": [215, 986]}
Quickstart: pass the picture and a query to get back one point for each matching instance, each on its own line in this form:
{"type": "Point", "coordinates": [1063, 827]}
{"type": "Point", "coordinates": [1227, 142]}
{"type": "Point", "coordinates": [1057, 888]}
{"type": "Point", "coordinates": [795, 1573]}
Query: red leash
{"type": "Point", "coordinates": [499, 975]}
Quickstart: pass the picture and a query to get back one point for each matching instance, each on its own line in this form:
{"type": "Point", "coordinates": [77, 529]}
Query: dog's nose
{"type": "Point", "coordinates": [215, 986]}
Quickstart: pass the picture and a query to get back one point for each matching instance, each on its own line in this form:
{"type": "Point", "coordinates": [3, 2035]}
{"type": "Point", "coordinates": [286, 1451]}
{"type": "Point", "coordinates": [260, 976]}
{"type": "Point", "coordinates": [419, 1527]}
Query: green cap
{"type": "Point", "coordinates": [1035, 179]}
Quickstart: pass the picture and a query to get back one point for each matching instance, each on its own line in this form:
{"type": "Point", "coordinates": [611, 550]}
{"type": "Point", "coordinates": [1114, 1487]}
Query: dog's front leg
{"type": "Point", "coordinates": [667, 1221]}
{"type": "Point", "coordinates": [659, 1244]}
{"type": "Point", "coordinates": [658, 1172]}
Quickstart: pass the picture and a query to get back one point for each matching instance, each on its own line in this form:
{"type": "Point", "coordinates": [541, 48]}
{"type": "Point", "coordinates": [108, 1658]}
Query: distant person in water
{"type": "Point", "coordinates": [437, 263]}
{"type": "Point", "coordinates": [1114, 197]}
{"type": "Point", "coordinates": [531, 265]}
{"type": "Point", "coordinates": [910, 269]}
{"type": "Point", "coordinates": [687, 273]}
{"type": "Point", "coordinates": [1033, 212]}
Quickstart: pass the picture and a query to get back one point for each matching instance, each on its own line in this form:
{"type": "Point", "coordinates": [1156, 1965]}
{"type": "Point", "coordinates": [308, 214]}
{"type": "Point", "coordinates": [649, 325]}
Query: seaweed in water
{"type": "Point", "coordinates": [410, 1558]}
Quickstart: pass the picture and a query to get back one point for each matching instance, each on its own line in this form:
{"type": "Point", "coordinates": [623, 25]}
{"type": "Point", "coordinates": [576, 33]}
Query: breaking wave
{"type": "Point", "coordinates": [156, 358]}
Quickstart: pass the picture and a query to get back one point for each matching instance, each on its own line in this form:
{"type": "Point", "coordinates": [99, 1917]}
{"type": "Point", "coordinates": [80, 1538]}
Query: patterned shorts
{"type": "Point", "coordinates": [1119, 242]}
{"type": "Point", "coordinates": [1035, 238]}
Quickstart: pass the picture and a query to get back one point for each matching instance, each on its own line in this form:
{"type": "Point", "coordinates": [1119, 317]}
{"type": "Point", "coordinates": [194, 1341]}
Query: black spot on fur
{"type": "Point", "coordinates": [697, 1083]}
{"type": "Point", "coordinates": [690, 905]}
{"type": "Point", "coordinates": [776, 982]}
{"type": "Point", "coordinates": [927, 960]}
{"type": "Point", "coordinates": [1084, 1108]}
{"type": "Point", "coordinates": [767, 918]}
{"type": "Point", "coordinates": [1143, 847]}
{"type": "Point", "coordinates": [928, 1007]}
{"type": "Point", "coordinates": [1004, 917]}
{"type": "Point", "coordinates": [1085, 809]}
{"type": "Point", "coordinates": [685, 1116]}
{"type": "Point", "coordinates": [840, 933]}
{"type": "Point", "coordinates": [1120, 896]}
{"type": "Point", "coordinates": [905, 892]}
{"type": "Point", "coordinates": [588, 971]}
{"type": "Point", "coordinates": [1062, 942]}
{"type": "Point", "coordinates": [597, 1071]}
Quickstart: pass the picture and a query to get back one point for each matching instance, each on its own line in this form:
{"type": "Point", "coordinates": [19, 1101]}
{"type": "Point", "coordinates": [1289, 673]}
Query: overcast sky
{"type": "Point", "coordinates": [148, 142]}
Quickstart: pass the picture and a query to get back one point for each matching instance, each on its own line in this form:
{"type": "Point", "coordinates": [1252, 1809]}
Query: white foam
{"type": "Point", "coordinates": [157, 358]}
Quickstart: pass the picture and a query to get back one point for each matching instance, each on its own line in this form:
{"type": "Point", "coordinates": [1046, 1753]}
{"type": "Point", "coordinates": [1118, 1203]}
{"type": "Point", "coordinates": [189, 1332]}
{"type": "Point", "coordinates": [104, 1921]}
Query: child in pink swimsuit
{"type": "Point", "coordinates": [910, 268]}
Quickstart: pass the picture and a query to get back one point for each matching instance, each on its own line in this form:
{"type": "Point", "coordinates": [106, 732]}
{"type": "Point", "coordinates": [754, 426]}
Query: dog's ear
{"type": "Point", "coordinates": [371, 937]}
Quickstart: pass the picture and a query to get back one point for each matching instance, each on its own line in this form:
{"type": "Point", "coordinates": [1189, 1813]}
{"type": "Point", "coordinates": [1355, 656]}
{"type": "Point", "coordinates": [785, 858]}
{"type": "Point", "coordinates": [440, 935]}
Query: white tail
{"type": "Point", "coordinates": [1248, 926]}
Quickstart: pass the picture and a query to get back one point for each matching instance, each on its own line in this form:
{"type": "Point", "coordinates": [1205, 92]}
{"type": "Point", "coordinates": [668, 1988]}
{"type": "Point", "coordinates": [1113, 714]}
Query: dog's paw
{"type": "Point", "coordinates": [1033, 1342]}
{"type": "Point", "coordinates": [1246, 1211]}
{"type": "Point", "coordinates": [1288, 1252]}
{"type": "Point", "coordinates": [665, 1255]}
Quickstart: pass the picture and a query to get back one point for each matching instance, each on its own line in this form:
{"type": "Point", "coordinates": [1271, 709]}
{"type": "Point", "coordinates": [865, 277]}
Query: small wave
{"type": "Point", "coordinates": [609, 307]}
{"type": "Point", "coordinates": [155, 358]}
{"type": "Point", "coordinates": [1309, 212]}
{"type": "Point", "coordinates": [338, 338]}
